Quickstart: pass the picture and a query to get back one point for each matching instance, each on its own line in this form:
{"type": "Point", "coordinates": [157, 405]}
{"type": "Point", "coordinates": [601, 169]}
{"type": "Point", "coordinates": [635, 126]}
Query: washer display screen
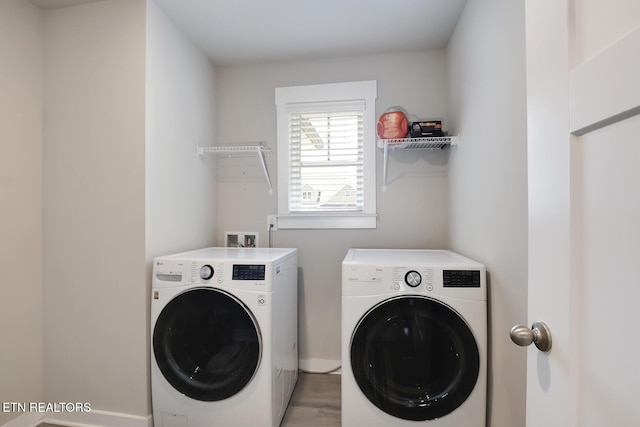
{"type": "Point", "coordinates": [207, 344]}
{"type": "Point", "coordinates": [461, 278]}
{"type": "Point", "coordinates": [414, 358]}
{"type": "Point", "coordinates": [248, 272]}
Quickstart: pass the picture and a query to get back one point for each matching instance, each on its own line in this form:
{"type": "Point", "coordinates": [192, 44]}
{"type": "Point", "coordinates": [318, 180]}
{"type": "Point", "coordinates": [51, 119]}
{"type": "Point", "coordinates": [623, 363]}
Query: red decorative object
{"type": "Point", "coordinates": [393, 124]}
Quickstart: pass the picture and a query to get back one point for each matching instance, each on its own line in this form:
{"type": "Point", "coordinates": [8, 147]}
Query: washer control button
{"type": "Point", "coordinates": [413, 278]}
{"type": "Point", "coordinates": [206, 272]}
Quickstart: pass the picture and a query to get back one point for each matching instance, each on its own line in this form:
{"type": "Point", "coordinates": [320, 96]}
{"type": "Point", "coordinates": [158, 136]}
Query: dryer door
{"type": "Point", "coordinates": [415, 358]}
{"type": "Point", "coordinates": [207, 344]}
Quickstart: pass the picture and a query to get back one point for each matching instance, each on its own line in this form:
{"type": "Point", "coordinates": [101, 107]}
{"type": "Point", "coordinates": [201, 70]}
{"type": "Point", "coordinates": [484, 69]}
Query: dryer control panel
{"type": "Point", "coordinates": [368, 272]}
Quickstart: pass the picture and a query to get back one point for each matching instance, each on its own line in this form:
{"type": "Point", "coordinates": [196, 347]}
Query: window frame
{"type": "Point", "coordinates": [286, 97]}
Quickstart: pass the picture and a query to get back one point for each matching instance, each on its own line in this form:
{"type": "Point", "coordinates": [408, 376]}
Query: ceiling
{"type": "Point", "coordinates": [234, 32]}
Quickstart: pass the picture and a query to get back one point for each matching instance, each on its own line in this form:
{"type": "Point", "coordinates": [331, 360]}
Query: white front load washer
{"type": "Point", "coordinates": [414, 339]}
{"type": "Point", "coordinates": [224, 337]}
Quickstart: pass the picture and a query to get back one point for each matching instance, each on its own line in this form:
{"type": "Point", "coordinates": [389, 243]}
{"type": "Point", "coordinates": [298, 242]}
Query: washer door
{"type": "Point", "coordinates": [207, 344]}
{"type": "Point", "coordinates": [414, 358]}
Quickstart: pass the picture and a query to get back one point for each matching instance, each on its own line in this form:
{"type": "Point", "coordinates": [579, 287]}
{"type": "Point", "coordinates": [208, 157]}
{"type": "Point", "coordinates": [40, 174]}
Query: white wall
{"type": "Point", "coordinates": [180, 186]}
{"type": "Point", "coordinates": [95, 322]}
{"type": "Point", "coordinates": [488, 181]}
{"type": "Point", "coordinates": [112, 198]}
{"type": "Point", "coordinates": [180, 114]}
{"type": "Point", "coordinates": [21, 50]}
{"type": "Point", "coordinates": [413, 212]}
{"type": "Point", "coordinates": [126, 105]}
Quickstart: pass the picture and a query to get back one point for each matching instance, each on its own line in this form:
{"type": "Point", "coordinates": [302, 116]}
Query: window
{"type": "Point", "coordinates": [326, 156]}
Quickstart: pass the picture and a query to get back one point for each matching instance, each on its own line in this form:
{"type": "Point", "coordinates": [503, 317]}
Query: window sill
{"type": "Point", "coordinates": [327, 221]}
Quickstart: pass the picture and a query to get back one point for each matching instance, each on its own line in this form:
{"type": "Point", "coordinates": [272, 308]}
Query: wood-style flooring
{"type": "Point", "coordinates": [315, 402]}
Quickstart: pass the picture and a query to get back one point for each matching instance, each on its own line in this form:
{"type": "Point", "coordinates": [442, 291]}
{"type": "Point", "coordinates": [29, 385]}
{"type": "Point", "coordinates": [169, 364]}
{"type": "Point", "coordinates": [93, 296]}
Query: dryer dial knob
{"type": "Point", "coordinates": [206, 272]}
{"type": "Point", "coordinates": [413, 278]}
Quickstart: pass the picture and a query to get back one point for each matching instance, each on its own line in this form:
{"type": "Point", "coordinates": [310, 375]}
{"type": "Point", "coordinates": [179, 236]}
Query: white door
{"type": "Point", "coordinates": [583, 89]}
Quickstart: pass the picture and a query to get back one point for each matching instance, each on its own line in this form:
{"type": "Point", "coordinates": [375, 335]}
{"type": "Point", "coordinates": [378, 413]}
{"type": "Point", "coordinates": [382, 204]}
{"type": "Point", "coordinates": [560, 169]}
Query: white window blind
{"type": "Point", "coordinates": [326, 157]}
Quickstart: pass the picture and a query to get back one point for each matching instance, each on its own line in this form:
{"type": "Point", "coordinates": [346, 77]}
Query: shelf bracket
{"type": "Point", "coordinates": [266, 171]}
{"type": "Point", "coordinates": [385, 167]}
{"type": "Point", "coordinates": [425, 143]}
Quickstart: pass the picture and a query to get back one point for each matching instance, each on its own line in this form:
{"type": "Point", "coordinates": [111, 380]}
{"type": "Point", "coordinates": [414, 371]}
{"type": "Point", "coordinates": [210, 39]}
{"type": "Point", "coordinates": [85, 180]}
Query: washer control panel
{"type": "Point", "coordinates": [208, 272]}
{"type": "Point", "coordinates": [205, 272]}
{"type": "Point", "coordinates": [413, 278]}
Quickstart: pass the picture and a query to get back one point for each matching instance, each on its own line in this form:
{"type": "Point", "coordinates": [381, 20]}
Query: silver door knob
{"type": "Point", "coordinates": [539, 334]}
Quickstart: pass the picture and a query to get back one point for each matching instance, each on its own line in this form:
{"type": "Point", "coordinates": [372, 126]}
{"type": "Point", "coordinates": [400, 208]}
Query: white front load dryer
{"type": "Point", "coordinates": [414, 339]}
{"type": "Point", "coordinates": [224, 337]}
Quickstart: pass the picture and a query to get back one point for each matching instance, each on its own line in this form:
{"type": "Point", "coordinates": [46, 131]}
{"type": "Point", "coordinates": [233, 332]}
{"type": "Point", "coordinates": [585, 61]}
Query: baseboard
{"type": "Point", "coordinates": [27, 419]}
{"type": "Point", "coordinates": [320, 366]}
{"type": "Point", "coordinates": [97, 418]}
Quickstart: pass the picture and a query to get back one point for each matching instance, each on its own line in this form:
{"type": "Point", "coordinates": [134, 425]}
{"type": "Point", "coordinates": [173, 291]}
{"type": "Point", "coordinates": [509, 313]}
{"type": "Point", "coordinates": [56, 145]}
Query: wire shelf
{"type": "Point", "coordinates": [233, 150]}
{"type": "Point", "coordinates": [426, 143]}
{"type": "Point", "coordinates": [257, 150]}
